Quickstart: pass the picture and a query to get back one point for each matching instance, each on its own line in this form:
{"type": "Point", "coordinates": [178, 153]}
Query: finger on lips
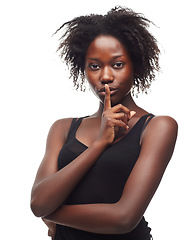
{"type": "Point", "coordinates": [107, 102]}
{"type": "Point", "coordinates": [121, 112]}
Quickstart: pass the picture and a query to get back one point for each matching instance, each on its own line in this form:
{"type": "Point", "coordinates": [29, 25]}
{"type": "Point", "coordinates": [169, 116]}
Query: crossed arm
{"type": "Point", "coordinates": [121, 217]}
{"type": "Point", "coordinates": [52, 187]}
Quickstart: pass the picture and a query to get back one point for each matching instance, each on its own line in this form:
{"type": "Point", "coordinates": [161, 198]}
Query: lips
{"type": "Point", "coordinates": [112, 91]}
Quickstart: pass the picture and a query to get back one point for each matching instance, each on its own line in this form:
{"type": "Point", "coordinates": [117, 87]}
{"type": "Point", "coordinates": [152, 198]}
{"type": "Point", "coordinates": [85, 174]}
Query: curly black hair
{"type": "Point", "coordinates": [130, 28]}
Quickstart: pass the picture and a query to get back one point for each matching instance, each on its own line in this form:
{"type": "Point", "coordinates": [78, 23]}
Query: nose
{"type": "Point", "coordinates": [106, 75]}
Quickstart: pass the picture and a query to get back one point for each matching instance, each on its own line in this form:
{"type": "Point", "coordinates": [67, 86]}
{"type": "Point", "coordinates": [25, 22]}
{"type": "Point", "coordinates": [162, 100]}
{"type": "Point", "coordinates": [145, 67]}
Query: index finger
{"type": "Point", "coordinates": [107, 102]}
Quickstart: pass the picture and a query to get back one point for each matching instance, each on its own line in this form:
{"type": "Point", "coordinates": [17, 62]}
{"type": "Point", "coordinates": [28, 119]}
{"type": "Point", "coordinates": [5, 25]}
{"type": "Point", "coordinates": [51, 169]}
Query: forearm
{"type": "Point", "coordinates": [96, 218]}
{"type": "Point", "coordinates": [51, 192]}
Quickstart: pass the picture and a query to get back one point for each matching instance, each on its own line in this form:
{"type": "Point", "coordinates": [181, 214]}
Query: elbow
{"type": "Point", "coordinates": [39, 208]}
{"type": "Point", "coordinates": [36, 204]}
{"type": "Point", "coordinates": [125, 223]}
{"type": "Point", "coordinates": [40, 205]}
{"type": "Point", "coordinates": [125, 227]}
{"type": "Point", "coordinates": [36, 208]}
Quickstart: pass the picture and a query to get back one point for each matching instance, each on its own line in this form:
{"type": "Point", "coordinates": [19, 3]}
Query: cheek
{"type": "Point", "coordinates": [88, 75]}
{"type": "Point", "coordinates": [126, 77]}
{"type": "Point", "coordinates": [91, 78]}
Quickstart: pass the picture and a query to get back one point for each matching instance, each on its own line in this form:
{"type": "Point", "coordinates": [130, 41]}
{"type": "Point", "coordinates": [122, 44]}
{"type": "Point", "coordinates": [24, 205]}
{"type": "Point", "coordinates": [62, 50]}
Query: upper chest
{"type": "Point", "coordinates": [89, 130]}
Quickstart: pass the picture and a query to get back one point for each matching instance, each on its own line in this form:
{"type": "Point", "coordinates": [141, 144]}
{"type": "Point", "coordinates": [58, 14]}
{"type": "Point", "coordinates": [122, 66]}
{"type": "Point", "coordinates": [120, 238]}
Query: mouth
{"type": "Point", "coordinates": [101, 91]}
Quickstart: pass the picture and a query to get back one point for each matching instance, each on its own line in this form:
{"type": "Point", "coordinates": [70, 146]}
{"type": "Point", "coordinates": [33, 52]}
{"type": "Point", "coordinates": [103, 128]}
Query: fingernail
{"type": "Point", "coordinates": [132, 113]}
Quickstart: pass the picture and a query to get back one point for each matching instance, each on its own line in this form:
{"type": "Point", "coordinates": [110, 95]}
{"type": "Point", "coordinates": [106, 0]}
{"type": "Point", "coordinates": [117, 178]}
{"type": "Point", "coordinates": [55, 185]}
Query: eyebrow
{"type": "Point", "coordinates": [119, 56]}
{"type": "Point", "coordinates": [97, 59]}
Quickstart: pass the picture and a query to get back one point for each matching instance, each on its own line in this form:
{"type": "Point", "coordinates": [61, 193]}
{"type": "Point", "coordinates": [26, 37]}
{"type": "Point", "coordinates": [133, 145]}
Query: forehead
{"type": "Point", "coordinates": [106, 45]}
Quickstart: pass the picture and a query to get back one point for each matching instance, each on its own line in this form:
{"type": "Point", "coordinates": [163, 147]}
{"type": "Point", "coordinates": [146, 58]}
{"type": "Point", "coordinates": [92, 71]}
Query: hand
{"type": "Point", "coordinates": [113, 118]}
{"type": "Point", "coordinates": [51, 228]}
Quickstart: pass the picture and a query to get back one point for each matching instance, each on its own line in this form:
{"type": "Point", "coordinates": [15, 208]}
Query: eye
{"type": "Point", "coordinates": [94, 66]}
{"type": "Point", "coordinates": [118, 65]}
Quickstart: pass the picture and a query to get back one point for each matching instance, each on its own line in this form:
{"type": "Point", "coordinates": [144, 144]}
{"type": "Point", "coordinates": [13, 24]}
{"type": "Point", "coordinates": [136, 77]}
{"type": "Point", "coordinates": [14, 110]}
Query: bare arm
{"type": "Point", "coordinates": [158, 142]}
{"type": "Point", "coordinates": [52, 187]}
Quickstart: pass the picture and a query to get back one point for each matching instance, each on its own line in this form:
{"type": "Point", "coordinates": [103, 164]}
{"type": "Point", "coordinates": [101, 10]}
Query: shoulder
{"type": "Point", "coordinates": [59, 129]}
{"type": "Point", "coordinates": [61, 123]}
{"type": "Point", "coordinates": [161, 125]}
{"type": "Point", "coordinates": [160, 135]}
{"type": "Point", "coordinates": [164, 124]}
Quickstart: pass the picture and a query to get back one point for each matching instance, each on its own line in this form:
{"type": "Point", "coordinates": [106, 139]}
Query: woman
{"type": "Point", "coordinates": [100, 172]}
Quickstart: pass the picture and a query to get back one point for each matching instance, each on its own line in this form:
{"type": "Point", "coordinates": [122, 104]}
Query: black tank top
{"type": "Point", "coordinates": [105, 181]}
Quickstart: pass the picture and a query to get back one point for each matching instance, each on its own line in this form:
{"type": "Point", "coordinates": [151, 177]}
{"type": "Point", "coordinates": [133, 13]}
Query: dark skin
{"type": "Point", "coordinates": [109, 70]}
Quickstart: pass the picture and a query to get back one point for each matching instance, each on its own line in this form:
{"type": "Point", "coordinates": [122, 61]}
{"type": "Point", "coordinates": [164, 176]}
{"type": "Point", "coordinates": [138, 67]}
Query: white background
{"type": "Point", "coordinates": [35, 91]}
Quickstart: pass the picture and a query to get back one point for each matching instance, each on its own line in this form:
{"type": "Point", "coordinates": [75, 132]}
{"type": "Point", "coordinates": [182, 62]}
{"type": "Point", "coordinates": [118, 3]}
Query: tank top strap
{"type": "Point", "coordinates": [146, 120]}
{"type": "Point", "coordinates": [74, 126]}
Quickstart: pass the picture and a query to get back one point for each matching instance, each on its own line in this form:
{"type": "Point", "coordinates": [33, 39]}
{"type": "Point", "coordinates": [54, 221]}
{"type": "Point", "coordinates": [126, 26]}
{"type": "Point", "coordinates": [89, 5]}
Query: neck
{"type": "Point", "coordinates": [127, 102]}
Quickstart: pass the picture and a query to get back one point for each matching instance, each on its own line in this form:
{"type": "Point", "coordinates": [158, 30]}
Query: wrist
{"type": "Point", "coordinates": [100, 144]}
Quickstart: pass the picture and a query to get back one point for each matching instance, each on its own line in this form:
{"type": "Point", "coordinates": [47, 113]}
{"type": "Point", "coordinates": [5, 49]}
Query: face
{"type": "Point", "coordinates": [107, 62]}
